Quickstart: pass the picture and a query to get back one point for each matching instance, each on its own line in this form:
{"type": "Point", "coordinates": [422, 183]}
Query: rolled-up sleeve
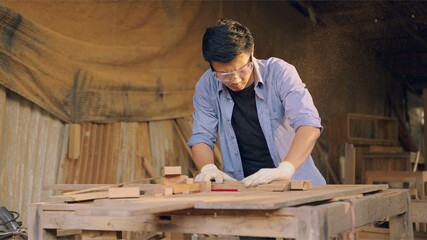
{"type": "Point", "coordinates": [205, 119]}
{"type": "Point", "coordinates": [296, 99]}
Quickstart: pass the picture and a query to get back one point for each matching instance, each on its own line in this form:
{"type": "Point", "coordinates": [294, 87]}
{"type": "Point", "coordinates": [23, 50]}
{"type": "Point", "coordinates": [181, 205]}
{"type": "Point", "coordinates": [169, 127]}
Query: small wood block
{"type": "Point", "coordinates": [175, 179]}
{"type": "Point", "coordinates": [301, 185]}
{"type": "Point", "coordinates": [171, 170]}
{"type": "Point", "coordinates": [194, 187]}
{"type": "Point", "coordinates": [123, 192]}
{"type": "Point", "coordinates": [67, 232]}
{"type": "Point", "coordinates": [205, 186]}
{"type": "Point", "coordinates": [189, 181]}
{"type": "Point", "coordinates": [181, 188]}
{"type": "Point", "coordinates": [168, 191]}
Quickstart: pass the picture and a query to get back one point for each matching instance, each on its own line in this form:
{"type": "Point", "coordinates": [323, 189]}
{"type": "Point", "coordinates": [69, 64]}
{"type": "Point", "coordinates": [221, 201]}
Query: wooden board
{"type": "Point", "coordinates": [245, 200]}
{"type": "Point", "coordinates": [275, 186]}
{"type": "Point", "coordinates": [276, 200]}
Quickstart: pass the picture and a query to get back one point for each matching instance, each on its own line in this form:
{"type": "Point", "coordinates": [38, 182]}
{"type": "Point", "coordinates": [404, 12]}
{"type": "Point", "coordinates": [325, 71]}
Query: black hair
{"type": "Point", "coordinates": [225, 40]}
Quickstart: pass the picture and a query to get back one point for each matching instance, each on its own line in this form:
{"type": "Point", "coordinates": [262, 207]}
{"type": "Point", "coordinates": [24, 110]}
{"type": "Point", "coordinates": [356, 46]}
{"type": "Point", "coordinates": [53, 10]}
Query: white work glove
{"type": "Point", "coordinates": [210, 171]}
{"type": "Point", "coordinates": [284, 171]}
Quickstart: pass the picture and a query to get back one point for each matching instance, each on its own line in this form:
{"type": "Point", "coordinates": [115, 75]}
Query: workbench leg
{"type": "Point", "coordinates": [35, 231]}
{"type": "Point", "coordinates": [401, 225]}
{"type": "Point", "coordinates": [312, 223]}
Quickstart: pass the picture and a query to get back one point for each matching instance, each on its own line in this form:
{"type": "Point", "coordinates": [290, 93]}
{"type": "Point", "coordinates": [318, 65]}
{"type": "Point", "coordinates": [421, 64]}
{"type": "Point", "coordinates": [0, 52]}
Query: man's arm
{"type": "Point", "coordinates": [203, 157]}
{"type": "Point", "coordinates": [303, 143]}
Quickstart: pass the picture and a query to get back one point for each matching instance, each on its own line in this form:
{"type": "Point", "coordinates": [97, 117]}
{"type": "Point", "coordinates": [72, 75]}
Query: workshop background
{"type": "Point", "coordinates": [101, 91]}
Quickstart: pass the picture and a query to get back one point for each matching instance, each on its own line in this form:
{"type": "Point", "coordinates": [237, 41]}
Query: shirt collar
{"type": "Point", "coordinates": [257, 77]}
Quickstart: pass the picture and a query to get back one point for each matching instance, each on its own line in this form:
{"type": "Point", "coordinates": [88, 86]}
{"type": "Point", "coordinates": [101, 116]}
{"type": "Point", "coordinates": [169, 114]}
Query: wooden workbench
{"type": "Point", "coordinates": [319, 213]}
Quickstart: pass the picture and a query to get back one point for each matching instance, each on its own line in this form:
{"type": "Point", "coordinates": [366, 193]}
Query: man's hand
{"type": "Point", "coordinates": [210, 171]}
{"type": "Point", "coordinates": [284, 171]}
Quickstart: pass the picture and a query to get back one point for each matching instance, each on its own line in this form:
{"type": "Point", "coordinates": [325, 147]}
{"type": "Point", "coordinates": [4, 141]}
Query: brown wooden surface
{"type": "Point", "coordinates": [327, 218]}
{"type": "Point", "coordinates": [250, 200]}
{"type": "Point", "coordinates": [275, 200]}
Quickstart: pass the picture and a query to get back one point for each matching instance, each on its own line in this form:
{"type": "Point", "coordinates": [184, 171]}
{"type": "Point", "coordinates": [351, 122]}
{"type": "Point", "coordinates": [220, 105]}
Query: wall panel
{"type": "Point", "coordinates": [31, 143]}
{"type": "Point", "coordinates": [34, 147]}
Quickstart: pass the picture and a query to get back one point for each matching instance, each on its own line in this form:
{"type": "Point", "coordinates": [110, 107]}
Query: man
{"type": "Point", "coordinates": [264, 116]}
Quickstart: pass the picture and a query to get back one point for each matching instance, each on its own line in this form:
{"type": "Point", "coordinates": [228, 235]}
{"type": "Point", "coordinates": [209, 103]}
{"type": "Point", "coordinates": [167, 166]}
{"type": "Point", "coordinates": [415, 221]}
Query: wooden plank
{"type": "Point", "coordinates": [418, 178]}
{"type": "Point", "coordinates": [425, 118]}
{"type": "Point", "coordinates": [74, 141]}
{"type": "Point", "coordinates": [71, 187]}
{"type": "Point", "coordinates": [149, 168]}
{"type": "Point", "coordinates": [35, 230]}
{"type": "Point", "coordinates": [3, 100]}
{"type": "Point", "coordinates": [141, 209]}
{"type": "Point", "coordinates": [124, 192]}
{"type": "Point", "coordinates": [275, 186]}
{"type": "Point", "coordinates": [79, 197]}
{"type": "Point", "coordinates": [330, 218]}
{"type": "Point", "coordinates": [373, 233]}
{"type": "Point", "coordinates": [419, 211]}
{"type": "Point", "coordinates": [275, 200]}
{"type": "Point", "coordinates": [183, 137]}
{"type": "Point", "coordinates": [99, 235]}
{"type": "Point", "coordinates": [233, 224]}
{"type": "Point", "coordinates": [93, 189]}
{"type": "Point", "coordinates": [385, 149]}
{"type": "Point", "coordinates": [67, 232]}
{"type": "Point", "coordinates": [350, 164]}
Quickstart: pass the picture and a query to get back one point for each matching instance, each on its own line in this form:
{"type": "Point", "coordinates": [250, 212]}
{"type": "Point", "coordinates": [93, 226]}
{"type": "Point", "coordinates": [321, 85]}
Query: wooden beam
{"type": "Point", "coordinates": [74, 141]}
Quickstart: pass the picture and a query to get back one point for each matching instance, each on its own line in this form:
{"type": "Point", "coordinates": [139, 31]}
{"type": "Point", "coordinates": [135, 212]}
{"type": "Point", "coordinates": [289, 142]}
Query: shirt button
{"type": "Point", "coordinates": [232, 137]}
{"type": "Point", "coordinates": [235, 154]}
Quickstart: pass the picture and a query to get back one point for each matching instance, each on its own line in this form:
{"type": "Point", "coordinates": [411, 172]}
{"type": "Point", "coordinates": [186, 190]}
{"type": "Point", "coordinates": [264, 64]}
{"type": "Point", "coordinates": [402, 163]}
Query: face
{"type": "Point", "coordinates": [236, 74]}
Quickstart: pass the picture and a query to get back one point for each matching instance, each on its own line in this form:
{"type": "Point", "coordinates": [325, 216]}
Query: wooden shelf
{"type": "Point", "coordinates": [370, 129]}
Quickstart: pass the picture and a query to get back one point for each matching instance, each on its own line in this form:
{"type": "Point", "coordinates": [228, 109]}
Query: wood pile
{"type": "Point", "coordinates": [172, 182]}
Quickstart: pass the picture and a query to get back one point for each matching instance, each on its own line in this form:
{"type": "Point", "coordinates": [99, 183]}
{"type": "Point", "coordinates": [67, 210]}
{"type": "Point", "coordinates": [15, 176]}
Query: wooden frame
{"type": "Point", "coordinates": [267, 215]}
{"type": "Point", "coordinates": [418, 178]}
{"type": "Point", "coordinates": [370, 129]}
{"type": "Point", "coordinates": [358, 130]}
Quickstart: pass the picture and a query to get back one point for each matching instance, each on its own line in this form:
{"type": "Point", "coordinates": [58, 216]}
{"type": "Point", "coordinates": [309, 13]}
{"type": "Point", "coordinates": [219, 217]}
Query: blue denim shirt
{"type": "Point", "coordinates": [283, 105]}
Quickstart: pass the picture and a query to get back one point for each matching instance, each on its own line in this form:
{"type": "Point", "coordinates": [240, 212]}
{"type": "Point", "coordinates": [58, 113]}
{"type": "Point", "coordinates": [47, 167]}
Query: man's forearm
{"type": "Point", "coordinates": [302, 145]}
{"type": "Point", "coordinates": [202, 155]}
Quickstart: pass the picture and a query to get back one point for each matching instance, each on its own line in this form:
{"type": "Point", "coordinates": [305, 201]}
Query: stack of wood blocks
{"type": "Point", "coordinates": [172, 182]}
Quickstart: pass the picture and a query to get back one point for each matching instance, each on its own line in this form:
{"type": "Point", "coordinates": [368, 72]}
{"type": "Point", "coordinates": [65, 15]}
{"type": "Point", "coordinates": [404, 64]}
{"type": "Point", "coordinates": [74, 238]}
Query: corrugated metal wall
{"type": "Point", "coordinates": [34, 146]}
{"type": "Point", "coordinates": [115, 152]}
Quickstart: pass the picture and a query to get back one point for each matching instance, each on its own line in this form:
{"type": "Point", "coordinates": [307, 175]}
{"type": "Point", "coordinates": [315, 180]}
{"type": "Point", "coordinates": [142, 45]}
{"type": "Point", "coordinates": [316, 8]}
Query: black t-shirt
{"type": "Point", "coordinates": [250, 138]}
